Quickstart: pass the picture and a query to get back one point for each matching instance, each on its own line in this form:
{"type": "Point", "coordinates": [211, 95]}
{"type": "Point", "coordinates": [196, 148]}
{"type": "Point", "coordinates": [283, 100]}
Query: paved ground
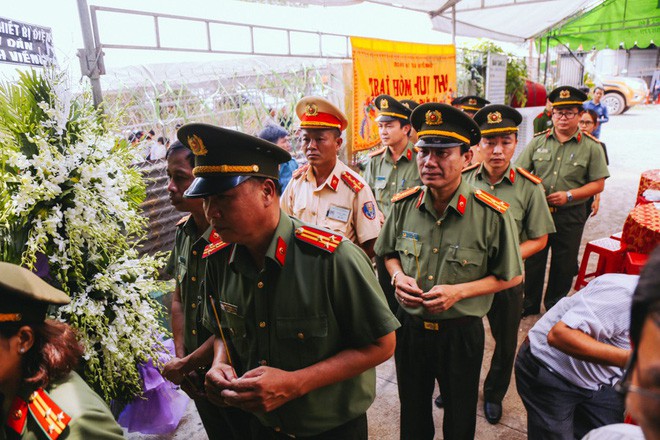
{"type": "Point", "coordinates": [633, 147]}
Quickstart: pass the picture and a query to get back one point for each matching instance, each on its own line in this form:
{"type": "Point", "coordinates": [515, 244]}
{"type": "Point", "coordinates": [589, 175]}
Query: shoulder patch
{"type": "Point", "coordinates": [377, 152]}
{"type": "Point", "coordinates": [50, 417]}
{"type": "Point", "coordinates": [212, 248]}
{"type": "Point", "coordinates": [592, 137]}
{"type": "Point", "coordinates": [471, 167]}
{"type": "Point", "coordinates": [528, 175]}
{"type": "Point", "coordinates": [319, 238]}
{"type": "Point", "coordinates": [300, 171]}
{"type": "Point", "coordinates": [497, 204]}
{"type": "Point", "coordinates": [543, 132]}
{"type": "Point", "coordinates": [352, 182]}
{"type": "Point", "coordinates": [407, 193]}
{"type": "Point", "coordinates": [183, 220]}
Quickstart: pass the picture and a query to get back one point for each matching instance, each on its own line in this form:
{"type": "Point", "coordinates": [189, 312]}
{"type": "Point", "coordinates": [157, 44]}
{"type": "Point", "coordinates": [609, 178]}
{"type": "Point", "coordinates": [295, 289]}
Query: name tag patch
{"type": "Point", "coordinates": [339, 213]}
{"type": "Point", "coordinates": [229, 308]}
{"type": "Point", "coordinates": [410, 235]}
{"type": "Point", "coordinates": [381, 181]}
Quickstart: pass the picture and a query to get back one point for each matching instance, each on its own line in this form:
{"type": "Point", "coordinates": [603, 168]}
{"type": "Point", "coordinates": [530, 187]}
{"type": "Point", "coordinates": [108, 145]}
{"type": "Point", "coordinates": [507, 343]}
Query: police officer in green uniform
{"type": "Point", "coordinates": [193, 343]}
{"type": "Point", "coordinates": [526, 198]}
{"type": "Point", "coordinates": [448, 247]}
{"type": "Point", "coordinates": [391, 169]}
{"type": "Point", "coordinates": [41, 396]}
{"type": "Point", "coordinates": [304, 321]}
{"type": "Point", "coordinates": [573, 168]}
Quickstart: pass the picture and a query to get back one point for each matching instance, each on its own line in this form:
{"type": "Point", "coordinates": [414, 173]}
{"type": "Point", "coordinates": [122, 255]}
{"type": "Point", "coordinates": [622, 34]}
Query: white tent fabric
{"type": "Point", "coordinates": [504, 20]}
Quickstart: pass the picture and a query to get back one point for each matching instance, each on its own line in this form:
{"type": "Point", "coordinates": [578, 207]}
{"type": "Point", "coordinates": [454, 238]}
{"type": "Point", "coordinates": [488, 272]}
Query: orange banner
{"type": "Point", "coordinates": [421, 72]}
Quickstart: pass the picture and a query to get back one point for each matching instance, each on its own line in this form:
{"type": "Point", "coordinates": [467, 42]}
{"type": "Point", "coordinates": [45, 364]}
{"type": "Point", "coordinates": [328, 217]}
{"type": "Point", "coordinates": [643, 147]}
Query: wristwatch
{"type": "Point", "coordinates": [569, 196]}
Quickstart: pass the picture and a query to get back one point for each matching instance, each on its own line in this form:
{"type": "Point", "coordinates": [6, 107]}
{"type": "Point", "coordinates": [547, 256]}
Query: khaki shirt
{"type": "Point", "coordinates": [90, 416]}
{"type": "Point", "coordinates": [526, 199]}
{"type": "Point", "coordinates": [468, 242]}
{"type": "Point", "coordinates": [187, 267]}
{"type": "Point", "coordinates": [387, 178]}
{"type": "Point", "coordinates": [306, 305]}
{"type": "Point", "coordinates": [566, 166]}
{"type": "Point", "coordinates": [350, 209]}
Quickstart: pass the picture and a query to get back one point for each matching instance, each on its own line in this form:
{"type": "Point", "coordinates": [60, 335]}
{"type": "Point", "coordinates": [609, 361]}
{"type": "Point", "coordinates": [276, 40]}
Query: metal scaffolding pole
{"type": "Point", "coordinates": [91, 64]}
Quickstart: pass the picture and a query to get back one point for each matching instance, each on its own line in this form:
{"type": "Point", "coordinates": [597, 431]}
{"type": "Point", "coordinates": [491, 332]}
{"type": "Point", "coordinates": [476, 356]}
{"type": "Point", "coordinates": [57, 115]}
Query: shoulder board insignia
{"type": "Point", "coordinates": [17, 415]}
{"type": "Point", "coordinates": [528, 175]}
{"type": "Point", "coordinates": [183, 220]}
{"type": "Point", "coordinates": [543, 132]}
{"type": "Point", "coordinates": [471, 167]}
{"type": "Point", "coordinates": [539, 115]}
{"type": "Point", "coordinates": [300, 171]}
{"type": "Point", "coordinates": [592, 137]}
{"type": "Point", "coordinates": [377, 152]}
{"type": "Point", "coordinates": [50, 417]}
{"type": "Point", "coordinates": [407, 193]}
{"type": "Point", "coordinates": [497, 204]}
{"type": "Point", "coordinates": [212, 248]}
{"type": "Point", "coordinates": [325, 240]}
{"type": "Point", "coordinates": [352, 182]}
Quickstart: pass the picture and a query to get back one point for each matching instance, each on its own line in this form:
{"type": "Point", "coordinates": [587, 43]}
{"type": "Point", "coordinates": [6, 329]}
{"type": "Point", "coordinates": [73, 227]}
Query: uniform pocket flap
{"type": "Point", "coordinates": [467, 257]}
{"type": "Point", "coordinates": [302, 328]}
{"type": "Point", "coordinates": [408, 246]}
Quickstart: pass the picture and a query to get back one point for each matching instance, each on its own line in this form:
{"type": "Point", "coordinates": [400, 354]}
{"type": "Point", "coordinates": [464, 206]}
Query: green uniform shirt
{"type": "Point", "coordinates": [187, 267]}
{"type": "Point", "coordinates": [468, 242]}
{"type": "Point", "coordinates": [306, 305]}
{"type": "Point", "coordinates": [566, 166]}
{"type": "Point", "coordinates": [526, 199]}
{"type": "Point", "coordinates": [542, 122]}
{"type": "Point", "coordinates": [90, 416]}
{"type": "Point", "coordinates": [387, 178]}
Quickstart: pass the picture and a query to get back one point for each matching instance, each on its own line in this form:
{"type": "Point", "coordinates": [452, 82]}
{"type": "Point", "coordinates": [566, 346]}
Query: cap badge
{"type": "Point", "coordinates": [472, 101]}
{"type": "Point", "coordinates": [433, 117]}
{"type": "Point", "coordinates": [311, 110]}
{"type": "Point", "coordinates": [406, 105]}
{"type": "Point", "coordinates": [197, 146]}
{"type": "Point", "coordinates": [384, 103]}
{"type": "Point", "coordinates": [565, 94]}
{"type": "Point", "coordinates": [494, 117]}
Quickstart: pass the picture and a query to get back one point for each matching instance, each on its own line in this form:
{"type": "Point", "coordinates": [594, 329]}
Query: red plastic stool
{"type": "Point", "coordinates": [610, 259]}
{"type": "Point", "coordinates": [634, 262]}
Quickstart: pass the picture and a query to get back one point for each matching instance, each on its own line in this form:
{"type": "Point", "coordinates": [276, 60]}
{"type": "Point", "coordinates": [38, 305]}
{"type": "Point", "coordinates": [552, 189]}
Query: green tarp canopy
{"type": "Point", "coordinates": [613, 24]}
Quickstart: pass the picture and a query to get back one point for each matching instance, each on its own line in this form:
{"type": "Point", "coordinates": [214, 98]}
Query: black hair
{"type": "Point", "coordinates": [599, 88]}
{"type": "Point", "coordinates": [646, 297]}
{"type": "Point", "coordinates": [178, 146]}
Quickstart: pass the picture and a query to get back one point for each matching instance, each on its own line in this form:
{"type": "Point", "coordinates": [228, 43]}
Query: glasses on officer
{"type": "Point", "coordinates": [565, 115]}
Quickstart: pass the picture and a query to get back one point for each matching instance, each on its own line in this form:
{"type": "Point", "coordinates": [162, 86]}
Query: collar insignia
{"type": "Point", "coordinates": [494, 117]}
{"type": "Point", "coordinates": [197, 146]}
{"type": "Point", "coordinates": [433, 117]}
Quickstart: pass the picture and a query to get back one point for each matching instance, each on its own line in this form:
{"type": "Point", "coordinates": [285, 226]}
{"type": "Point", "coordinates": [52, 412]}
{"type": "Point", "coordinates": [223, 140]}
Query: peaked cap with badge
{"type": "Point", "coordinates": [409, 103]}
{"type": "Point", "coordinates": [496, 119]}
{"type": "Point", "coordinates": [567, 96]}
{"type": "Point", "coordinates": [24, 297]}
{"type": "Point", "coordinates": [470, 103]}
{"type": "Point", "coordinates": [389, 109]}
{"type": "Point", "coordinates": [225, 158]}
{"type": "Point", "coordinates": [443, 126]}
{"type": "Point", "coordinates": [317, 112]}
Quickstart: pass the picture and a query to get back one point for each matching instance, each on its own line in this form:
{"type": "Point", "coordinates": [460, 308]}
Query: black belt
{"type": "Point", "coordinates": [436, 325]}
{"type": "Point", "coordinates": [554, 209]}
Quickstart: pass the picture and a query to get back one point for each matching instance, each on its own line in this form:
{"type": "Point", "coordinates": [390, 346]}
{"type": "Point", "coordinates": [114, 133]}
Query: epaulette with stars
{"type": "Point", "coordinates": [471, 167]}
{"type": "Point", "coordinates": [50, 417]}
{"type": "Point", "coordinates": [528, 175]}
{"type": "Point", "coordinates": [592, 137]}
{"type": "Point", "coordinates": [300, 171]}
{"type": "Point", "coordinates": [183, 220]}
{"type": "Point", "coordinates": [328, 241]}
{"type": "Point", "coordinates": [353, 183]}
{"type": "Point", "coordinates": [543, 132]}
{"type": "Point", "coordinates": [490, 200]}
{"type": "Point", "coordinates": [406, 193]}
{"type": "Point", "coordinates": [377, 152]}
